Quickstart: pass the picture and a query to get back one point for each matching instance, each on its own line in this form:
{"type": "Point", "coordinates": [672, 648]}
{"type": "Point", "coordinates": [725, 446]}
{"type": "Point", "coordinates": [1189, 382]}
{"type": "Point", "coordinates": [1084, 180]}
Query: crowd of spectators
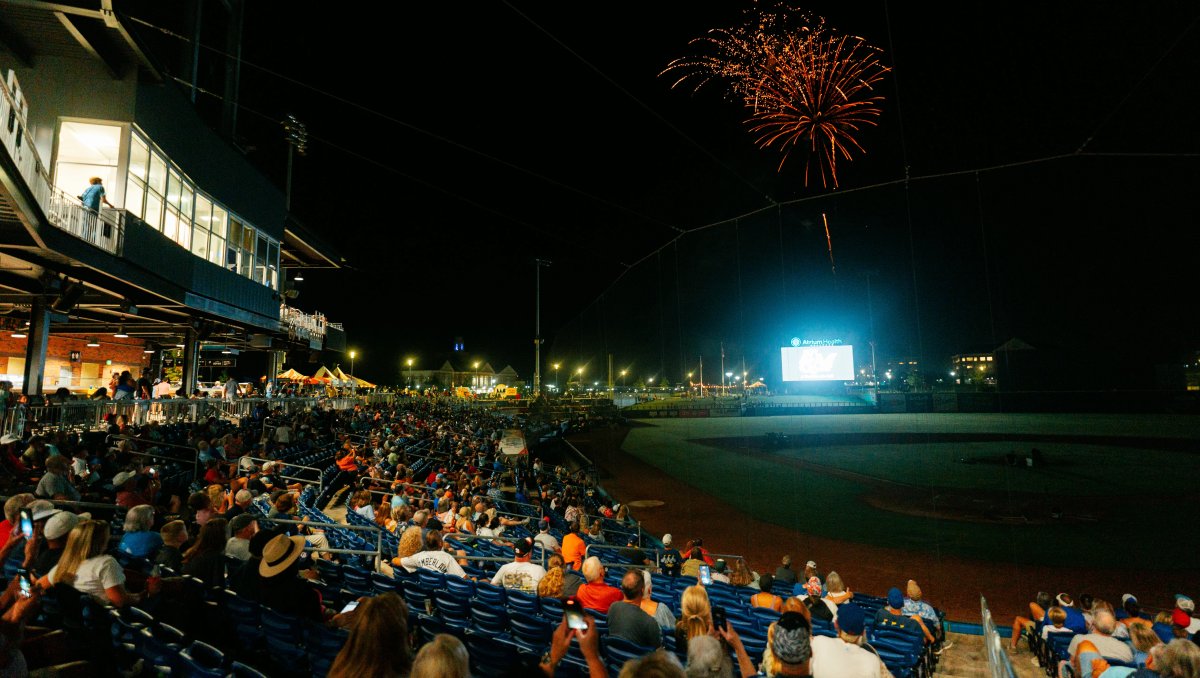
{"type": "Point", "coordinates": [431, 475]}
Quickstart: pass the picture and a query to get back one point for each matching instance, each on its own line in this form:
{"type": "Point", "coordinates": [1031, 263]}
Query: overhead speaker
{"type": "Point", "coordinates": [69, 297]}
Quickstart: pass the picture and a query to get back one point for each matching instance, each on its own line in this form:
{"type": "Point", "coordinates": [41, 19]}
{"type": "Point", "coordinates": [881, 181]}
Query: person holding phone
{"type": "Point", "coordinates": [580, 626]}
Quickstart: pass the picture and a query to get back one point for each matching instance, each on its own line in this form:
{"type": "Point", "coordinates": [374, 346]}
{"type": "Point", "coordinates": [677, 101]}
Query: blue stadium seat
{"type": "Point", "coordinates": [490, 656]}
{"type": "Point", "coordinates": [520, 601]}
{"type": "Point", "coordinates": [489, 620]}
{"type": "Point", "coordinates": [530, 632]}
{"type": "Point", "coordinates": [240, 670]}
{"type": "Point", "coordinates": [618, 650]}
{"type": "Point", "coordinates": [201, 660]}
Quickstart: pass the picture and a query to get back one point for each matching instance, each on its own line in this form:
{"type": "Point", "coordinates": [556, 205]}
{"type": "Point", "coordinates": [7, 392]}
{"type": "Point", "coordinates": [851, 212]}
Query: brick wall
{"type": "Point", "coordinates": [90, 372]}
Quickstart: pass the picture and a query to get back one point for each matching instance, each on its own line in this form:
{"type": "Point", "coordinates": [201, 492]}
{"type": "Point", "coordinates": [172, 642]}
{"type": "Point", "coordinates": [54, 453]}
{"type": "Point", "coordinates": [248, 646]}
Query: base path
{"type": "Point", "coordinates": [951, 583]}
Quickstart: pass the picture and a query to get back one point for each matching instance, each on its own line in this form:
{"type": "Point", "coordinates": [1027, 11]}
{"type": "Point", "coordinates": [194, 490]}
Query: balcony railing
{"type": "Point", "coordinates": [301, 325]}
{"type": "Point", "coordinates": [103, 229]}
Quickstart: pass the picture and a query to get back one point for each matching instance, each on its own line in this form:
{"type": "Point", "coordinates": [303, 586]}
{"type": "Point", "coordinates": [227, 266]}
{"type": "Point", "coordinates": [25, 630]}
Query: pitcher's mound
{"type": "Point", "coordinates": [646, 503]}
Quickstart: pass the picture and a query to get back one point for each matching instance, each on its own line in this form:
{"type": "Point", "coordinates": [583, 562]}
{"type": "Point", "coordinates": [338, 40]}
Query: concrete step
{"type": "Point", "coordinates": [966, 659]}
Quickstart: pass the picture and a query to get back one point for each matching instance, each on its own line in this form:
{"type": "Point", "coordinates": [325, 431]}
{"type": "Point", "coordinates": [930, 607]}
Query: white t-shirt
{"type": "Point", "coordinates": [439, 561]}
{"type": "Point", "coordinates": [547, 541]}
{"type": "Point", "coordinates": [94, 576]}
{"type": "Point", "coordinates": [835, 658]}
{"type": "Point", "coordinates": [238, 548]}
{"type": "Point", "coordinates": [519, 575]}
{"type": "Point", "coordinates": [283, 434]}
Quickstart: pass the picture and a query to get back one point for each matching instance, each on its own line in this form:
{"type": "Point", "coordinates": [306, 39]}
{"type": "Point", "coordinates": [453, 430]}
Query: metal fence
{"type": "Point", "coordinates": [999, 665]}
{"type": "Point", "coordinates": [92, 415]}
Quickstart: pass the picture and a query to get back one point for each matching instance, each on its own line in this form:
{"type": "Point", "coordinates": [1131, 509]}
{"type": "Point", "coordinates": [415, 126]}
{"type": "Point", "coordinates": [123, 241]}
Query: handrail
{"type": "Point", "coordinates": [640, 566]}
{"type": "Point", "coordinates": [999, 665]}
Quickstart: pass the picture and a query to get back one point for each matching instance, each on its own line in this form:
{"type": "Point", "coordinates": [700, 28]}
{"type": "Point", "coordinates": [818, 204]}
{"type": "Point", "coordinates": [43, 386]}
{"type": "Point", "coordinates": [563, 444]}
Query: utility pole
{"type": "Point", "coordinates": [537, 331]}
{"type": "Point", "coordinates": [723, 388]}
{"type": "Point", "coordinates": [610, 377]}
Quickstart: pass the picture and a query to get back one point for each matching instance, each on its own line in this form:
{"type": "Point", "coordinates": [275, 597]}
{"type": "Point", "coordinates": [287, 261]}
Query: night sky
{"type": "Point", "coordinates": [452, 144]}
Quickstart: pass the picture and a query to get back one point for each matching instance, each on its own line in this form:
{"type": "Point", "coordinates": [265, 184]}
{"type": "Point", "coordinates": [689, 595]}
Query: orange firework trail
{"type": "Point", "coordinates": [829, 242]}
{"type": "Point", "coordinates": [805, 86]}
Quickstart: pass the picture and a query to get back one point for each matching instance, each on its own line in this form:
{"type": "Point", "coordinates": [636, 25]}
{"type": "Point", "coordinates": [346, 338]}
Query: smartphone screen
{"type": "Point", "coordinates": [718, 616]}
{"type": "Point", "coordinates": [350, 606]}
{"type": "Point", "coordinates": [574, 615]}
{"type": "Point", "coordinates": [705, 575]}
{"type": "Point", "coordinates": [27, 523]}
{"type": "Point", "coordinates": [26, 582]}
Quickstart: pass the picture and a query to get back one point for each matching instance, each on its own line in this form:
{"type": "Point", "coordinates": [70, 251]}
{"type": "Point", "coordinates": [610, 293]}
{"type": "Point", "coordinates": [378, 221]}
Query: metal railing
{"type": "Point", "coordinates": [335, 526]}
{"type": "Point", "coordinates": [92, 415]}
{"type": "Point", "coordinates": [301, 325]}
{"type": "Point", "coordinates": [999, 665]}
{"type": "Point", "coordinates": [104, 229]}
{"type": "Point", "coordinates": [587, 552]}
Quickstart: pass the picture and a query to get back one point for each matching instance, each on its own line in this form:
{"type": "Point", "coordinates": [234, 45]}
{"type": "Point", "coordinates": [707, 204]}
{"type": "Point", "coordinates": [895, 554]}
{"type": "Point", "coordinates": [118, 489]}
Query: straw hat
{"type": "Point", "coordinates": [279, 554]}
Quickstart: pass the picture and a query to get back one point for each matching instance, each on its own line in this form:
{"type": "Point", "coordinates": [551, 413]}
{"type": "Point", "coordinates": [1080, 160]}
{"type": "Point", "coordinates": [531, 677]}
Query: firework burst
{"type": "Point", "coordinates": [805, 86]}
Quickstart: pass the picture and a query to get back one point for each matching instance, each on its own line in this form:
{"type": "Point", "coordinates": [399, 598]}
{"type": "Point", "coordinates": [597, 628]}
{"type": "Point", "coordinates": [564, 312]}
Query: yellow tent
{"type": "Point", "coordinates": [291, 375]}
{"type": "Point", "coordinates": [340, 375]}
{"type": "Point", "coordinates": [363, 383]}
{"type": "Point", "coordinates": [324, 374]}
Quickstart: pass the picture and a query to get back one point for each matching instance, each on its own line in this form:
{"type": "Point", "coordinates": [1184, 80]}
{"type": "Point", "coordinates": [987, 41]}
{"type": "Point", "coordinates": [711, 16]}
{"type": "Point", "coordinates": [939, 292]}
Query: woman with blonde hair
{"type": "Point", "coordinates": [551, 584]}
{"type": "Point", "coordinates": [837, 589]}
{"type": "Point", "coordinates": [695, 616]}
{"type": "Point", "coordinates": [443, 657]}
{"type": "Point", "coordinates": [378, 646]}
{"type": "Point", "coordinates": [410, 543]}
{"type": "Point", "coordinates": [218, 498]}
{"type": "Point", "coordinates": [85, 567]}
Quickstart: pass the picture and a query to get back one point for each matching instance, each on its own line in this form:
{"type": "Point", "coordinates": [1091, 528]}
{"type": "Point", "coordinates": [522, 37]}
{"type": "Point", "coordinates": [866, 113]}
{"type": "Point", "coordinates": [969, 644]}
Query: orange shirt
{"type": "Point", "coordinates": [767, 600]}
{"type": "Point", "coordinates": [598, 596]}
{"type": "Point", "coordinates": [573, 549]}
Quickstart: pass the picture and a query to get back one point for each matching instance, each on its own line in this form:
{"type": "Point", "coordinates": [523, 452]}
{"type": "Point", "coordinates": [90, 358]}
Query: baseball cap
{"type": "Point", "coordinates": [813, 588]}
{"type": "Point", "coordinates": [792, 641]}
{"type": "Point", "coordinates": [895, 598]}
{"type": "Point", "coordinates": [1128, 597]}
{"type": "Point", "coordinates": [851, 619]}
{"type": "Point", "coordinates": [666, 540]}
{"type": "Point", "coordinates": [812, 564]}
{"type": "Point", "coordinates": [63, 522]}
{"type": "Point", "coordinates": [1181, 618]}
{"type": "Point", "coordinates": [523, 546]}
{"type": "Point", "coordinates": [1184, 603]}
{"type": "Point", "coordinates": [240, 521]}
{"type": "Point", "coordinates": [123, 477]}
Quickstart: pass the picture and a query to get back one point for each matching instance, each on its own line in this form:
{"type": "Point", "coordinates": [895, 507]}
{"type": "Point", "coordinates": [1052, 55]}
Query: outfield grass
{"type": "Point", "coordinates": [1112, 495]}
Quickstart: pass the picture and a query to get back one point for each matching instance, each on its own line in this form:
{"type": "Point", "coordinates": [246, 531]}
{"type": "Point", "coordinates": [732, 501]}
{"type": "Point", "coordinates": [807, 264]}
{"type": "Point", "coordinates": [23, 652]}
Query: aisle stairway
{"type": "Point", "coordinates": [965, 659]}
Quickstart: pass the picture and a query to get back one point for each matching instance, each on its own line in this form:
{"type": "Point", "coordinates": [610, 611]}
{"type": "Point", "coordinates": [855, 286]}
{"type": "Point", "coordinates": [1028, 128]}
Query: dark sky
{"type": "Point", "coordinates": [454, 143]}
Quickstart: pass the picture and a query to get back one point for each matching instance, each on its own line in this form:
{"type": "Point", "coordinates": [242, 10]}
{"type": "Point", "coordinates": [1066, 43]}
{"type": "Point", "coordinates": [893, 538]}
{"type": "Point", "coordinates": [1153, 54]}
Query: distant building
{"type": "Point", "coordinates": [454, 371]}
{"type": "Point", "coordinates": [977, 368]}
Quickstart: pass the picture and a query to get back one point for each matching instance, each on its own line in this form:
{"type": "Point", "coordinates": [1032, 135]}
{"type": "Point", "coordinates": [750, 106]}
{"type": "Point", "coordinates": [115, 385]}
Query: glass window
{"type": "Point", "coordinates": [247, 239]}
{"type": "Point", "coordinates": [185, 200]}
{"type": "Point", "coordinates": [216, 249]}
{"type": "Point", "coordinates": [158, 174]}
{"type": "Point", "coordinates": [203, 211]}
{"type": "Point", "coordinates": [139, 158]}
{"type": "Point", "coordinates": [153, 214]}
{"type": "Point", "coordinates": [220, 220]}
{"type": "Point", "coordinates": [185, 233]}
{"type": "Point", "coordinates": [134, 194]}
{"type": "Point", "coordinates": [231, 258]}
{"type": "Point", "coordinates": [235, 232]}
{"type": "Point", "coordinates": [174, 188]}
{"type": "Point", "coordinates": [200, 241]}
{"type": "Point", "coordinates": [86, 150]}
{"type": "Point", "coordinates": [260, 260]}
{"type": "Point", "coordinates": [171, 224]}
{"type": "Point", "coordinates": [273, 265]}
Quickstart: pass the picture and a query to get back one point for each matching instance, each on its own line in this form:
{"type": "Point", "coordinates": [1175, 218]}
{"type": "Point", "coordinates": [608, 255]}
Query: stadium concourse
{"type": "Point", "coordinates": [393, 537]}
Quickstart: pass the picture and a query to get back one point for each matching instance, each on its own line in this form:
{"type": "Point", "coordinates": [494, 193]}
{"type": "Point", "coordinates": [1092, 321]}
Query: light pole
{"type": "Point", "coordinates": [580, 379]}
{"type": "Point", "coordinates": [353, 355]}
{"type": "Point", "coordinates": [724, 388]}
{"type": "Point", "coordinates": [556, 365]}
{"type": "Point", "coordinates": [690, 384]}
{"type": "Point", "coordinates": [623, 379]}
{"type": "Point", "coordinates": [475, 376]}
{"type": "Point", "coordinates": [537, 337]}
{"type": "Point", "coordinates": [409, 363]}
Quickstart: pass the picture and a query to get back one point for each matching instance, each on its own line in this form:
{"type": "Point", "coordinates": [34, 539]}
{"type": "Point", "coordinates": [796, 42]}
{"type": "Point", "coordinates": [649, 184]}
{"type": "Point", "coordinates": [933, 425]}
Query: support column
{"type": "Point", "coordinates": [36, 345]}
{"type": "Point", "coordinates": [191, 361]}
